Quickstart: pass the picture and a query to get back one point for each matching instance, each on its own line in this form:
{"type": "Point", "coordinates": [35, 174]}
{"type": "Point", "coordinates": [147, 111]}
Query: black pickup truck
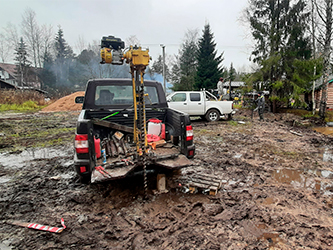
{"type": "Point", "coordinates": [104, 144]}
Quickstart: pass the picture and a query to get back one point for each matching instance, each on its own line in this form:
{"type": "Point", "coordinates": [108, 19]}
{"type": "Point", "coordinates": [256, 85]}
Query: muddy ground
{"type": "Point", "coordinates": [277, 192]}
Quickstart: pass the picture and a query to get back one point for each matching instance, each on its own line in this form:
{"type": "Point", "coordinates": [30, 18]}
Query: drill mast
{"type": "Point", "coordinates": [138, 59]}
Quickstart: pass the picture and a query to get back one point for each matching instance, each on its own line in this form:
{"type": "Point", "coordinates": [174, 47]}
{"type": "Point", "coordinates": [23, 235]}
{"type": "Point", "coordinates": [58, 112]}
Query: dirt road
{"type": "Point", "coordinates": [276, 194]}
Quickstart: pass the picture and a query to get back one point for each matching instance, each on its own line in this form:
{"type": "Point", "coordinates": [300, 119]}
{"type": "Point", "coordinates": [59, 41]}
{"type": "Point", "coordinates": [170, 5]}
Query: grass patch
{"type": "Point", "coordinates": [238, 106]}
{"type": "Point", "coordinates": [22, 101]}
{"type": "Point", "coordinates": [329, 116]}
{"type": "Point", "coordinates": [37, 131]}
{"type": "Point", "coordinates": [308, 114]}
{"type": "Point", "coordinates": [202, 131]}
{"type": "Point", "coordinates": [26, 106]}
{"type": "Point", "coordinates": [233, 123]}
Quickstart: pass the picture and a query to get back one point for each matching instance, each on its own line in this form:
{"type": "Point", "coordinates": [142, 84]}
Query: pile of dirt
{"type": "Point", "coordinates": [66, 103]}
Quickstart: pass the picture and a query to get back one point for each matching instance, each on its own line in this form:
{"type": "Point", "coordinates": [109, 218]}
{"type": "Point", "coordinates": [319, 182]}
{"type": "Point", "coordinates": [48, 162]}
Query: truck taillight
{"type": "Point", "coordinates": [189, 133]}
{"type": "Point", "coordinates": [81, 144]}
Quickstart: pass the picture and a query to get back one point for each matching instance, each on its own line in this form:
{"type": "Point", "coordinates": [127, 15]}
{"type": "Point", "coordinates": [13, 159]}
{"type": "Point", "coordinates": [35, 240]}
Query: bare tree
{"type": "Point", "coordinates": [324, 10]}
{"type": "Point", "coordinates": [47, 40]}
{"type": "Point", "coordinates": [11, 37]}
{"type": "Point", "coordinates": [80, 44]}
{"type": "Point", "coordinates": [33, 35]}
{"type": "Point", "coordinates": [4, 48]}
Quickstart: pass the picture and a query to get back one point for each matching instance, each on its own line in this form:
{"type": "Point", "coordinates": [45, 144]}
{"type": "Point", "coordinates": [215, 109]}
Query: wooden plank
{"type": "Point", "coordinates": [204, 177]}
{"type": "Point", "coordinates": [198, 185]}
{"type": "Point", "coordinates": [215, 184]}
{"type": "Point", "coordinates": [218, 180]}
{"type": "Point", "coordinates": [113, 125]}
{"type": "Point", "coordinates": [192, 190]}
{"type": "Point", "coordinates": [207, 176]}
{"type": "Point", "coordinates": [203, 186]}
{"type": "Point", "coordinates": [212, 192]}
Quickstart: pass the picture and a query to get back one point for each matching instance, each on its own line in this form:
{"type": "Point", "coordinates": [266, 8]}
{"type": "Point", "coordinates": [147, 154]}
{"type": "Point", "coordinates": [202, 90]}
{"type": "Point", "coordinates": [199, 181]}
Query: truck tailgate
{"type": "Point", "coordinates": [163, 157]}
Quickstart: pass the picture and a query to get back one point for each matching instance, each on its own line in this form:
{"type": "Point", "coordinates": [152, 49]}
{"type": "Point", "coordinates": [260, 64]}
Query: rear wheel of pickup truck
{"type": "Point", "coordinates": [229, 117]}
{"type": "Point", "coordinates": [212, 115]}
{"type": "Point", "coordinates": [85, 179]}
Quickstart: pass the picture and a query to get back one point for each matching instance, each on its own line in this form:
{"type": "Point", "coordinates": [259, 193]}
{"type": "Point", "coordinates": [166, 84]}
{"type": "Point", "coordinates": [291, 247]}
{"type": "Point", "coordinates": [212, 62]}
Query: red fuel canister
{"type": "Point", "coordinates": [97, 147]}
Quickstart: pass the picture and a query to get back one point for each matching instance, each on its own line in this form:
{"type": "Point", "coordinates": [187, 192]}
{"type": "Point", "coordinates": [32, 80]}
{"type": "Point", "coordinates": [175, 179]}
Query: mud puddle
{"type": "Point", "coordinates": [328, 155]}
{"type": "Point", "coordinates": [301, 179]}
{"type": "Point", "coordinates": [13, 160]}
{"type": "Point", "coordinates": [324, 130]}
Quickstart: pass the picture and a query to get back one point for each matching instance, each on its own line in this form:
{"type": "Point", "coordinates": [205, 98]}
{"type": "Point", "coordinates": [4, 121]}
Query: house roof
{"type": "Point", "coordinates": [233, 84]}
{"type": "Point", "coordinates": [10, 68]}
{"type": "Point", "coordinates": [7, 85]}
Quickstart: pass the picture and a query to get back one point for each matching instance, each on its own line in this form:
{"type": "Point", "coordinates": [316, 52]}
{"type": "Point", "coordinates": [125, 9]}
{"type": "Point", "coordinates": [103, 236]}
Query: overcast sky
{"type": "Point", "coordinates": [153, 22]}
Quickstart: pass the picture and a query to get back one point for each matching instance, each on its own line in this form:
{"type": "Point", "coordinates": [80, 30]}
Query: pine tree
{"type": "Point", "coordinates": [157, 67]}
{"type": "Point", "coordinates": [63, 59]}
{"type": "Point", "coordinates": [209, 68]}
{"type": "Point", "coordinates": [22, 63]}
{"type": "Point", "coordinates": [279, 28]}
{"type": "Point", "coordinates": [47, 75]}
{"type": "Point", "coordinates": [185, 68]}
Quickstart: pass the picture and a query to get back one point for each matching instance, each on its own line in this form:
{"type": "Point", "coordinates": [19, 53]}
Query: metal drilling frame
{"type": "Point", "coordinates": [138, 59]}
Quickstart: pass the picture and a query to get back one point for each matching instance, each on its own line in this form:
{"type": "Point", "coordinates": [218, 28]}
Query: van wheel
{"type": "Point", "coordinates": [212, 115]}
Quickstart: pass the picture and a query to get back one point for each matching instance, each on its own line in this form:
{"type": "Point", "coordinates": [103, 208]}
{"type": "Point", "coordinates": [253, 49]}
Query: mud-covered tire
{"type": "Point", "coordinates": [85, 179]}
{"type": "Point", "coordinates": [212, 115]}
{"type": "Point", "coordinates": [229, 117]}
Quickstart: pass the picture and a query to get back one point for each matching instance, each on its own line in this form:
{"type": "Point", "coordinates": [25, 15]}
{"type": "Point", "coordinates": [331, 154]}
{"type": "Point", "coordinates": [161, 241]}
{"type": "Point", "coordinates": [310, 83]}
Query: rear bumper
{"type": "Point", "coordinates": [80, 163]}
{"type": "Point", "coordinates": [190, 151]}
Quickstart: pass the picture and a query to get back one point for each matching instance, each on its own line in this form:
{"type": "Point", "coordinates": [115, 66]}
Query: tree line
{"type": "Point", "coordinates": [41, 54]}
{"type": "Point", "coordinates": [292, 49]}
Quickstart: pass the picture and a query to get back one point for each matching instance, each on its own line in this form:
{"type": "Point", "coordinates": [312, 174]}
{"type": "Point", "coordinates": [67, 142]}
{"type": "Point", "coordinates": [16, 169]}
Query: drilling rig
{"type": "Point", "coordinates": [113, 52]}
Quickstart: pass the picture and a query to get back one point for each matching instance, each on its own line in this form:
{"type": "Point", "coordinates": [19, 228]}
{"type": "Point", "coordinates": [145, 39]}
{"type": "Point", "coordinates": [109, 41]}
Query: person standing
{"type": "Point", "coordinates": [261, 105]}
{"type": "Point", "coordinates": [220, 87]}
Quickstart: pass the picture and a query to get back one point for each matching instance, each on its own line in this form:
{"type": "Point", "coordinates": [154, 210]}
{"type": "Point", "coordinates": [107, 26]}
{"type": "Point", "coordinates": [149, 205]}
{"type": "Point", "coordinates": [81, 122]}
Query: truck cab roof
{"type": "Point", "coordinates": [113, 93]}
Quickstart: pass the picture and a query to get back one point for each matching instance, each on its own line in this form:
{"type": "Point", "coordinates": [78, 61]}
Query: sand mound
{"type": "Point", "coordinates": [66, 103]}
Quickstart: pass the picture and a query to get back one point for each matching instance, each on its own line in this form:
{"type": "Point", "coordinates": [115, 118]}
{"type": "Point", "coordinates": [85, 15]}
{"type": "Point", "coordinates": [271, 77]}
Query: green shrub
{"type": "Point", "coordinates": [26, 106]}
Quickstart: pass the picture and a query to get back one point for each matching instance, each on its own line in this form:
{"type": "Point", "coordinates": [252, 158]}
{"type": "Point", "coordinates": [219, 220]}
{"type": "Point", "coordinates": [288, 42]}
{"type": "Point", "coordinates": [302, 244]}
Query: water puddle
{"type": "Point", "coordinates": [324, 130]}
{"type": "Point", "coordinates": [299, 179]}
{"type": "Point", "coordinates": [10, 160]}
{"type": "Point", "coordinates": [4, 179]}
{"type": "Point", "coordinates": [272, 238]}
{"type": "Point", "coordinates": [4, 246]}
{"type": "Point", "coordinates": [269, 201]}
{"type": "Point", "coordinates": [328, 155]}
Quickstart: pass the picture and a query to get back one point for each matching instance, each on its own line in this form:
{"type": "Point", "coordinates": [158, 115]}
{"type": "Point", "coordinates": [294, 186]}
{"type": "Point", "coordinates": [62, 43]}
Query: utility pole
{"type": "Point", "coordinates": [164, 84]}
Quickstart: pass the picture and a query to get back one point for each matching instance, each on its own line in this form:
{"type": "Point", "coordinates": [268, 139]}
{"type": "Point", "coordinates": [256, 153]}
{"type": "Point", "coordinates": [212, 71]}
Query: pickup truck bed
{"type": "Point", "coordinates": [98, 130]}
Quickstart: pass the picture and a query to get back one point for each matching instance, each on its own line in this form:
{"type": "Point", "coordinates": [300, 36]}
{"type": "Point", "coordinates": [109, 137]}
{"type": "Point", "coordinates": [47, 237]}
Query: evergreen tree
{"type": "Point", "coordinates": [157, 67]}
{"type": "Point", "coordinates": [209, 68]}
{"type": "Point", "coordinates": [63, 59]}
{"type": "Point", "coordinates": [22, 63]}
{"type": "Point", "coordinates": [184, 69]}
{"type": "Point", "coordinates": [279, 28]}
{"type": "Point", "coordinates": [47, 75]}
{"type": "Point", "coordinates": [232, 72]}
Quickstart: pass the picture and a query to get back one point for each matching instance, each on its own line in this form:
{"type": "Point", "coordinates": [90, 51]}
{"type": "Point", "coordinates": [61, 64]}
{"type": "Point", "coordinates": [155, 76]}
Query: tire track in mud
{"type": "Point", "coordinates": [251, 211]}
